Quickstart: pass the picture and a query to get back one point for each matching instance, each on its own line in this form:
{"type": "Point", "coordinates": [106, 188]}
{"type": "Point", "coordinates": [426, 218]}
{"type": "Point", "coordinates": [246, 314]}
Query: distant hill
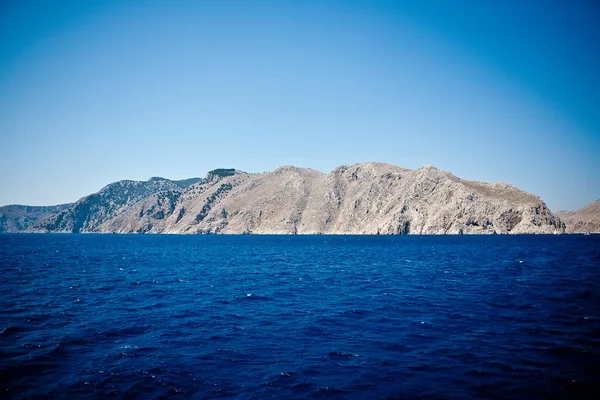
{"type": "Point", "coordinates": [584, 220]}
{"type": "Point", "coordinates": [18, 218]}
{"type": "Point", "coordinates": [367, 198]}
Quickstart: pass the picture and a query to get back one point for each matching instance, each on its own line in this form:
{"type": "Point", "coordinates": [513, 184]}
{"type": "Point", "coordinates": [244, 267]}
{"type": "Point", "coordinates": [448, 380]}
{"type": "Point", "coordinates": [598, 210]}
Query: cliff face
{"type": "Point", "coordinates": [584, 220]}
{"type": "Point", "coordinates": [368, 198]}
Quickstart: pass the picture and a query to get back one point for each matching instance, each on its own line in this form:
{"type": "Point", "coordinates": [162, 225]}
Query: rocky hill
{"type": "Point", "coordinates": [368, 198]}
{"type": "Point", "coordinates": [91, 211]}
{"type": "Point", "coordinates": [584, 220]}
{"type": "Point", "coordinates": [18, 218]}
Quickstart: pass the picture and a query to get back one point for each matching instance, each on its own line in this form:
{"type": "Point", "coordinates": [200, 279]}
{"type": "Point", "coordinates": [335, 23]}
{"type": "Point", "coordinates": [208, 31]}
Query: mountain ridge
{"type": "Point", "coordinates": [364, 198]}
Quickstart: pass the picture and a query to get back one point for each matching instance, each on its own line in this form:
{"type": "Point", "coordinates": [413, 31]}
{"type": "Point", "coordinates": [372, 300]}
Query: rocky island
{"type": "Point", "coordinates": [366, 198]}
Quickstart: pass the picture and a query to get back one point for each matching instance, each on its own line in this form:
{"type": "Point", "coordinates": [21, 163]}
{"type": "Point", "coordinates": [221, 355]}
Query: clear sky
{"type": "Point", "coordinates": [93, 92]}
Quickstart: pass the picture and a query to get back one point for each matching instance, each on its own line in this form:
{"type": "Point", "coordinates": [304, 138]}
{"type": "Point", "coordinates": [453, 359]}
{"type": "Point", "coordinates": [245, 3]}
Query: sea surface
{"type": "Point", "coordinates": [263, 317]}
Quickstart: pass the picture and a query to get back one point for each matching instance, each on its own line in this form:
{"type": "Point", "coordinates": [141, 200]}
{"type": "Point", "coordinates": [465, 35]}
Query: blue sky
{"type": "Point", "coordinates": [98, 91]}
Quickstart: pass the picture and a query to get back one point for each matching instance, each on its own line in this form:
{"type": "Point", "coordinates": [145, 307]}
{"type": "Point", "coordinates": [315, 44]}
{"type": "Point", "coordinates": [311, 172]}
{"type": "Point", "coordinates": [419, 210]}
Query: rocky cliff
{"type": "Point", "coordinates": [584, 220]}
{"type": "Point", "coordinates": [368, 198]}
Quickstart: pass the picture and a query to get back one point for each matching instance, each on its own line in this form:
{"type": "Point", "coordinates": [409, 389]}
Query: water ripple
{"type": "Point", "coordinates": [245, 317]}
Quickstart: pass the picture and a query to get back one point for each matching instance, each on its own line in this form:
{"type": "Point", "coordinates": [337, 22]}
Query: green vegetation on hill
{"type": "Point", "coordinates": [222, 190]}
{"type": "Point", "coordinates": [222, 172]}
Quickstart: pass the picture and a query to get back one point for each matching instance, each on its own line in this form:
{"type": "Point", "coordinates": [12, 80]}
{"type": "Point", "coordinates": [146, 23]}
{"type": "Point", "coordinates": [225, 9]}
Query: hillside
{"type": "Point", "coordinates": [116, 198]}
{"type": "Point", "coordinates": [367, 198]}
{"type": "Point", "coordinates": [584, 220]}
{"type": "Point", "coordinates": [18, 218]}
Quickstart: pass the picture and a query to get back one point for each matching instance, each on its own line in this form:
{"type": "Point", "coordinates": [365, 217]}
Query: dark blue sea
{"type": "Point", "coordinates": [263, 317]}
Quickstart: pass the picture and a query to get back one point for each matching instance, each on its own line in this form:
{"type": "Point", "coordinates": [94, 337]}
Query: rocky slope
{"type": "Point", "coordinates": [368, 198]}
{"type": "Point", "coordinates": [584, 220]}
{"type": "Point", "coordinates": [93, 210]}
{"type": "Point", "coordinates": [18, 218]}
